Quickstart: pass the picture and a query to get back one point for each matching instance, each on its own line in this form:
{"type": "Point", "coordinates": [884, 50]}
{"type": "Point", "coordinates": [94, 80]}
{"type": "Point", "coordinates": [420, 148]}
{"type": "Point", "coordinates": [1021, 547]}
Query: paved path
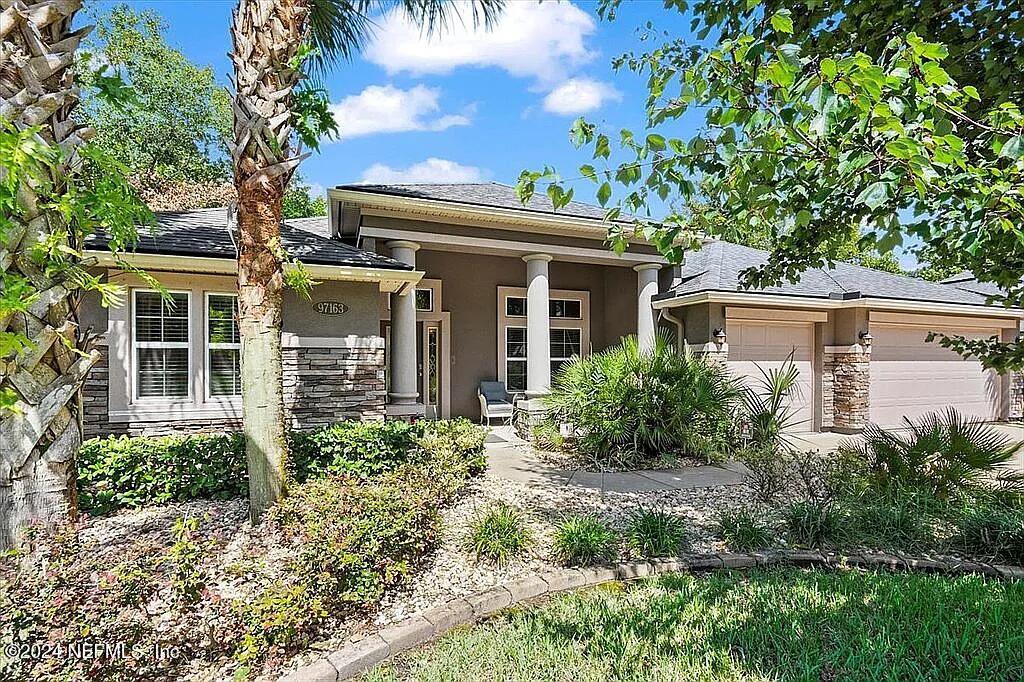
{"type": "Point", "coordinates": [512, 459]}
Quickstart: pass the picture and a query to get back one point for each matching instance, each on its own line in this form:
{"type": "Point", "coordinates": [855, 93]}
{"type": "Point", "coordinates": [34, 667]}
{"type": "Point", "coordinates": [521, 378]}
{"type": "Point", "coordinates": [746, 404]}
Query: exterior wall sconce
{"type": "Point", "coordinates": [866, 337]}
{"type": "Point", "coordinates": [719, 335]}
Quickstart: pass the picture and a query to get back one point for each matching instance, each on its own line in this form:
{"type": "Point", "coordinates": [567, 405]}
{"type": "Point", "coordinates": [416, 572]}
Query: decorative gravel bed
{"type": "Point", "coordinates": [448, 574]}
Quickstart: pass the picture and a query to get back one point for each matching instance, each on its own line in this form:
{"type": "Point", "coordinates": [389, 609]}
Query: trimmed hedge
{"type": "Point", "coordinates": [119, 472]}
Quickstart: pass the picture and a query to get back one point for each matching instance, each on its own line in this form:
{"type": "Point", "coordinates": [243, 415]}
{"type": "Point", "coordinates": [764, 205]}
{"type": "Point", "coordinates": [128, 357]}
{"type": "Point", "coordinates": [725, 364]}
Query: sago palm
{"type": "Point", "coordinates": [270, 39]}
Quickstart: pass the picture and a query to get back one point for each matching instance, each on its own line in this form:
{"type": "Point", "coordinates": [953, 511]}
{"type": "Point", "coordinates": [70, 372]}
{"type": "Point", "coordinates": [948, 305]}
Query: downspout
{"type": "Point", "coordinates": [680, 329]}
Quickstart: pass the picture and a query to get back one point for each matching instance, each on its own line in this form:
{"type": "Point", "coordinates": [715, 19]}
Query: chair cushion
{"type": "Point", "coordinates": [494, 391]}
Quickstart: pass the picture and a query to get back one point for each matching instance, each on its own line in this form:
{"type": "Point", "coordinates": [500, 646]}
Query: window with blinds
{"type": "Point", "coordinates": [160, 338]}
{"type": "Point", "coordinates": [223, 345]}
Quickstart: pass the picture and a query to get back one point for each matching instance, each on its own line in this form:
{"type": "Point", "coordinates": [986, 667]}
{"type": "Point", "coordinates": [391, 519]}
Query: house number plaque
{"type": "Point", "coordinates": [331, 307]}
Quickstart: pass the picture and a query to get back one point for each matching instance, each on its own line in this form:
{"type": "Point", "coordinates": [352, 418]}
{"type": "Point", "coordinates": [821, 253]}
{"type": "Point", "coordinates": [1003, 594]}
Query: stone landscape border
{"type": "Point", "coordinates": [362, 654]}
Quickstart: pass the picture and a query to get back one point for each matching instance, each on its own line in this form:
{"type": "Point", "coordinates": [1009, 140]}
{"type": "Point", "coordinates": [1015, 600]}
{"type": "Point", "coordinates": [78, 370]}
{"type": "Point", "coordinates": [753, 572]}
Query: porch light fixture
{"type": "Point", "coordinates": [865, 336]}
{"type": "Point", "coordinates": [719, 335]}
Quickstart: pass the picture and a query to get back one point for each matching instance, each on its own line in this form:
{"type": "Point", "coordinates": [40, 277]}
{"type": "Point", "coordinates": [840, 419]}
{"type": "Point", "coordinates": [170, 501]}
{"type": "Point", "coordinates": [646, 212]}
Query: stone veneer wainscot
{"type": "Point", "coordinates": [321, 386]}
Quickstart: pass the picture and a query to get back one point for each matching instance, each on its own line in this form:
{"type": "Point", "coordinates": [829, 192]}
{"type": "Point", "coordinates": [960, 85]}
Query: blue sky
{"type": "Point", "coordinates": [464, 105]}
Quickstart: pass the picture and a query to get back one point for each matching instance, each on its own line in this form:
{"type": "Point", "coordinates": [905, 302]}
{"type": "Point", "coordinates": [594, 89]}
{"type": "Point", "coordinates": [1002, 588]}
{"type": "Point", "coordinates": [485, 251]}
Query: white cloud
{"type": "Point", "coordinates": [579, 95]}
{"type": "Point", "coordinates": [431, 170]}
{"type": "Point", "coordinates": [530, 39]}
{"type": "Point", "coordinates": [387, 109]}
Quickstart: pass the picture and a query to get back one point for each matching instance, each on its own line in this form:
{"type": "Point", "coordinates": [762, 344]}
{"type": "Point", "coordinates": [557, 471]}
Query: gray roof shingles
{"type": "Point", "coordinates": [717, 267]}
{"type": "Point", "coordinates": [493, 194]}
{"type": "Point", "coordinates": [204, 232]}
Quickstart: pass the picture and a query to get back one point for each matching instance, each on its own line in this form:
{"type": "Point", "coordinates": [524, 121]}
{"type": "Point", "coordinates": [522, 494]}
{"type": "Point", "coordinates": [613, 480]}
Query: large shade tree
{"type": "Point", "coordinates": [806, 136]}
{"type": "Point", "coordinates": [275, 114]}
{"type": "Point", "coordinates": [47, 207]}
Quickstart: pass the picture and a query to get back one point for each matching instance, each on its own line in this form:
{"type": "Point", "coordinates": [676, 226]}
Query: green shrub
{"type": "Point", "coordinates": [743, 531]}
{"type": "Point", "coordinates": [655, 533]}
{"type": "Point", "coordinates": [813, 524]}
{"type": "Point", "coordinates": [362, 449]}
{"type": "Point", "coordinates": [119, 472]}
{"type": "Point", "coordinates": [583, 540]}
{"type": "Point", "coordinates": [499, 534]}
{"type": "Point", "coordinates": [947, 455]}
{"type": "Point", "coordinates": [990, 532]}
{"type": "Point", "coordinates": [769, 471]}
{"type": "Point", "coordinates": [633, 408]}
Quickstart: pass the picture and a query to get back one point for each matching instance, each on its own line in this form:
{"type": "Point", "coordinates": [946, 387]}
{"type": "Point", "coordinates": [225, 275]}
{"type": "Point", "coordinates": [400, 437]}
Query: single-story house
{"type": "Point", "coordinates": [428, 290]}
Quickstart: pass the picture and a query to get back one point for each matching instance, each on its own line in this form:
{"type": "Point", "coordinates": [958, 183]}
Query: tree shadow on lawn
{"type": "Point", "coordinates": [787, 624]}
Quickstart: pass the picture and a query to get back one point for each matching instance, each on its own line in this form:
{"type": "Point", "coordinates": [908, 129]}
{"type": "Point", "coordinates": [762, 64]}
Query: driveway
{"type": "Point", "coordinates": [827, 442]}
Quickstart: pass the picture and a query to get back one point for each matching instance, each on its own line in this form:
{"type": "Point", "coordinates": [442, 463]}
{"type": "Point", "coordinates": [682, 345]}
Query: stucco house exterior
{"type": "Point", "coordinates": [428, 290]}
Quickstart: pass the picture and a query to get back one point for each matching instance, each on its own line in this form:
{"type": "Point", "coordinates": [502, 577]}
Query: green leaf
{"type": "Point", "coordinates": [604, 192]}
{"type": "Point", "coordinates": [874, 195]}
{"type": "Point", "coordinates": [656, 142]}
{"type": "Point", "coordinates": [782, 22]}
{"type": "Point", "coordinates": [828, 68]}
{"type": "Point", "coordinates": [587, 171]}
{"type": "Point", "coordinates": [1013, 149]}
{"type": "Point", "coordinates": [601, 147]}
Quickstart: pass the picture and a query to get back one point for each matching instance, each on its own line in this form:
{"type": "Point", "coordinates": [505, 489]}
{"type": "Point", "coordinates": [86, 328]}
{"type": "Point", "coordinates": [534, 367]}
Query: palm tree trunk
{"type": "Point", "coordinates": [267, 35]}
{"type": "Point", "coordinates": [39, 439]}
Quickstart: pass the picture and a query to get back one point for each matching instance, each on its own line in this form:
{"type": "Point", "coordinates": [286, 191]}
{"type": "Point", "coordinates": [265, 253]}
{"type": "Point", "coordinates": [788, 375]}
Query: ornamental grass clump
{"type": "Point", "coordinates": [743, 531]}
{"type": "Point", "coordinates": [582, 540]}
{"type": "Point", "coordinates": [990, 532]}
{"type": "Point", "coordinates": [655, 533]}
{"type": "Point", "coordinates": [814, 524]}
{"type": "Point", "coordinates": [498, 535]}
{"type": "Point", "coordinates": [632, 408]}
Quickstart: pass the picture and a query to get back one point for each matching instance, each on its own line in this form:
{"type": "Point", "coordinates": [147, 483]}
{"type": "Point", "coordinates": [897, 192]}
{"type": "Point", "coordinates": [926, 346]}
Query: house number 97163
{"type": "Point", "coordinates": [331, 307]}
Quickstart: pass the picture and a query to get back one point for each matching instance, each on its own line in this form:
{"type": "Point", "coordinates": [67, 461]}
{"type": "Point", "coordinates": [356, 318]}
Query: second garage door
{"type": "Point", "coordinates": [768, 345]}
{"type": "Point", "coordinates": [911, 377]}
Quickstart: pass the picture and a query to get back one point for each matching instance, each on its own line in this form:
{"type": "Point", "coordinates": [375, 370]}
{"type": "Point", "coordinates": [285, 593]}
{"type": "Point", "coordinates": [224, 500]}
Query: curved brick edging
{"type": "Point", "coordinates": [360, 655]}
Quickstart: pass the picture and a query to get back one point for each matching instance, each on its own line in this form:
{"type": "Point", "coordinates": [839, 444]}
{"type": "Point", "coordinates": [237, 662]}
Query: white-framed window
{"type": "Point", "coordinates": [515, 358]}
{"type": "Point", "coordinates": [569, 319]}
{"type": "Point", "coordinates": [565, 343]}
{"type": "Point", "coordinates": [161, 357]}
{"type": "Point", "coordinates": [223, 346]}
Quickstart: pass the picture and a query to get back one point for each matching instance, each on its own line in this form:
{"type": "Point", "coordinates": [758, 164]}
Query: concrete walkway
{"type": "Point", "coordinates": [513, 459]}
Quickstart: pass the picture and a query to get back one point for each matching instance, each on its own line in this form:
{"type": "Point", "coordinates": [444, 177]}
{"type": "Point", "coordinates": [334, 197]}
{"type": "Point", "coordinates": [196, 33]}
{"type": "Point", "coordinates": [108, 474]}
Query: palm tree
{"type": "Point", "coordinates": [40, 427]}
{"type": "Point", "coordinates": [269, 38]}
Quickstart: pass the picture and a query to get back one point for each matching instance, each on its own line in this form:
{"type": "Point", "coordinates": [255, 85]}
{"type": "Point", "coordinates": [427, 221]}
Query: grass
{"type": "Point", "coordinates": [743, 531]}
{"type": "Point", "coordinates": [782, 624]}
{"type": "Point", "coordinates": [498, 534]}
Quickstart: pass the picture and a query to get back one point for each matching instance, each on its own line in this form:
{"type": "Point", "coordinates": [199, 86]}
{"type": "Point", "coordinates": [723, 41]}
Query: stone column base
{"type": "Point", "coordinates": [406, 412]}
{"type": "Point", "coordinates": [528, 414]}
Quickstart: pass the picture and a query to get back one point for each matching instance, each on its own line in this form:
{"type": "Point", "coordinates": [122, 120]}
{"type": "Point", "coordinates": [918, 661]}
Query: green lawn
{"type": "Point", "coordinates": [756, 625]}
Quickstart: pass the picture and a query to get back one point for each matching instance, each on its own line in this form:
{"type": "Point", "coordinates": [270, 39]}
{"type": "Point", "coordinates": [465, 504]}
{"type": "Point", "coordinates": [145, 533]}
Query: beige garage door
{"type": "Point", "coordinates": [911, 377]}
{"type": "Point", "coordinates": [768, 345]}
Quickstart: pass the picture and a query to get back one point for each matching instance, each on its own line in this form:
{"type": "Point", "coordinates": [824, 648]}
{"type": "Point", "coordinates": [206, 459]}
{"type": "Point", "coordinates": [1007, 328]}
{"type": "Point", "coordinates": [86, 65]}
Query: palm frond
{"type": "Point", "coordinates": [338, 29]}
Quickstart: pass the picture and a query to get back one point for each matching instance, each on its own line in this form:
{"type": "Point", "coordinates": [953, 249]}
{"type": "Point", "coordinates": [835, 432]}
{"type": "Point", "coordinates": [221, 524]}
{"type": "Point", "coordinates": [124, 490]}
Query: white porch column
{"type": "Point", "coordinates": [403, 332]}
{"type": "Point", "coordinates": [646, 288]}
{"type": "Point", "coordinates": [538, 326]}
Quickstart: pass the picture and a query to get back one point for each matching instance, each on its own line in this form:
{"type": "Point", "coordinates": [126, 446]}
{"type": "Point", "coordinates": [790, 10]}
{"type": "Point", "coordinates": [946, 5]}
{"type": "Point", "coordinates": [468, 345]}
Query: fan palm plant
{"type": "Point", "coordinates": [945, 454]}
{"type": "Point", "coordinates": [272, 120]}
{"type": "Point", "coordinates": [632, 408]}
{"type": "Point", "coordinates": [768, 405]}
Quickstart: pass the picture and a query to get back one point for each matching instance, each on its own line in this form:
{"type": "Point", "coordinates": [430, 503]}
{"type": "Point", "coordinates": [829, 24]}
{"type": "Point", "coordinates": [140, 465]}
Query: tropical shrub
{"type": "Point", "coordinates": [743, 531]}
{"type": "Point", "coordinates": [119, 471]}
{"type": "Point", "coordinates": [631, 408]}
{"type": "Point", "coordinates": [768, 411]}
{"type": "Point", "coordinates": [813, 524]}
{"type": "Point", "coordinates": [455, 439]}
{"type": "Point", "coordinates": [655, 533]}
{"type": "Point", "coordinates": [892, 522]}
{"type": "Point", "coordinates": [583, 540]}
{"type": "Point", "coordinates": [547, 436]}
{"type": "Point", "coordinates": [768, 473]}
{"type": "Point", "coordinates": [498, 534]}
{"type": "Point", "coordinates": [947, 455]}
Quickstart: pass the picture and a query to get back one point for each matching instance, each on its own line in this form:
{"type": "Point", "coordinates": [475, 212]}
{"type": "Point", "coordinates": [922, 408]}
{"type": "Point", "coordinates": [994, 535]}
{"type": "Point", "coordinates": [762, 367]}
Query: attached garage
{"type": "Point", "coordinates": [767, 344]}
{"type": "Point", "coordinates": [911, 377]}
